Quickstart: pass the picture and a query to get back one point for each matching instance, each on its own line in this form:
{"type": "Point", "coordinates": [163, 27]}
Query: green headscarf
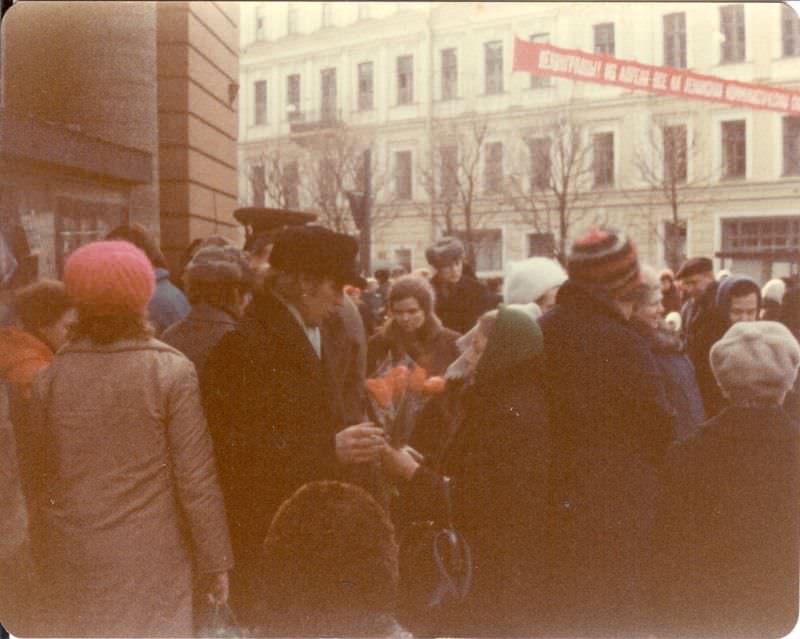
{"type": "Point", "coordinates": [514, 338]}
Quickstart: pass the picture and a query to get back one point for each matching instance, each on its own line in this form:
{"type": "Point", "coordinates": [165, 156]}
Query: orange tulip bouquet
{"type": "Point", "coordinates": [397, 393]}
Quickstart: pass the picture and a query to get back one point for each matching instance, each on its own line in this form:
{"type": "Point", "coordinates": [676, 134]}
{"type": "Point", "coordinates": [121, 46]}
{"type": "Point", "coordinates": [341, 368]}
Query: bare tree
{"type": "Point", "coordinates": [662, 162]}
{"type": "Point", "coordinates": [549, 178]}
{"type": "Point", "coordinates": [274, 177]}
{"type": "Point", "coordinates": [450, 178]}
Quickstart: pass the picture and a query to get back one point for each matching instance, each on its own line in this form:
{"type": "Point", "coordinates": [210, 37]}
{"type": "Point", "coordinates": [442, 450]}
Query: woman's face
{"type": "Point", "coordinates": [56, 333]}
{"type": "Point", "coordinates": [650, 310]}
{"type": "Point", "coordinates": [407, 314]}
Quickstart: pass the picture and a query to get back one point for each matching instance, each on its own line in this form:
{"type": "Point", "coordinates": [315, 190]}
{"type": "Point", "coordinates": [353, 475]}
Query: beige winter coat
{"type": "Point", "coordinates": [127, 505]}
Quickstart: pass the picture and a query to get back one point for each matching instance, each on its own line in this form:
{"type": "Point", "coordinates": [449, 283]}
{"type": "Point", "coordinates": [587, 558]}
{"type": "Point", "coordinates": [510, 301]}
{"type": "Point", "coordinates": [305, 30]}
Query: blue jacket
{"type": "Point", "coordinates": [168, 304]}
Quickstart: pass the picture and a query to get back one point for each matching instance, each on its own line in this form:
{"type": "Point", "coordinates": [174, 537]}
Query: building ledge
{"type": "Point", "coordinates": [29, 139]}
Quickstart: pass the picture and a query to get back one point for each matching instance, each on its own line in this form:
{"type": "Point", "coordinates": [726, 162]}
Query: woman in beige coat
{"type": "Point", "coordinates": [127, 515]}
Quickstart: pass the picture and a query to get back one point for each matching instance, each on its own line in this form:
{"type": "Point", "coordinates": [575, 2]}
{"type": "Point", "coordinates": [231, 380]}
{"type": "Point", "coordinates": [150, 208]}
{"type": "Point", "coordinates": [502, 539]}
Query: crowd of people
{"type": "Point", "coordinates": [618, 447]}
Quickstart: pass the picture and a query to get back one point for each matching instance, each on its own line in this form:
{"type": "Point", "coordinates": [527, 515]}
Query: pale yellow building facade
{"type": "Point", "coordinates": [402, 75]}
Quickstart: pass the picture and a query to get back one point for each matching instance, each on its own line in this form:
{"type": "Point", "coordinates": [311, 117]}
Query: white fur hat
{"type": "Point", "coordinates": [774, 290]}
{"type": "Point", "coordinates": [526, 281]}
{"type": "Point", "coordinates": [756, 360]}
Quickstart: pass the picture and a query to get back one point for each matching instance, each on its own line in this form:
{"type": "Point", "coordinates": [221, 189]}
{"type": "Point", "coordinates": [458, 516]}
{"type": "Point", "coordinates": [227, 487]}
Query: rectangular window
{"type": "Point", "coordinates": [734, 148]}
{"type": "Point", "coordinates": [603, 159]}
{"type": "Point", "coordinates": [258, 179]}
{"type": "Point", "coordinates": [449, 74]}
{"type": "Point", "coordinates": [769, 234]}
{"type": "Point", "coordinates": [365, 86]}
{"type": "Point", "coordinates": [540, 81]}
{"type": "Point", "coordinates": [493, 66]}
{"type": "Point", "coordinates": [327, 14]}
{"type": "Point", "coordinates": [77, 222]}
{"type": "Point", "coordinates": [290, 182]}
{"type": "Point", "coordinates": [449, 178]}
{"type": "Point", "coordinates": [260, 102]}
{"type": "Point", "coordinates": [790, 31]}
{"type": "Point", "coordinates": [541, 245]}
{"type": "Point", "coordinates": [675, 40]}
{"type": "Point", "coordinates": [791, 145]}
{"type": "Point", "coordinates": [260, 24]}
{"type": "Point", "coordinates": [291, 20]}
{"type": "Point", "coordinates": [402, 175]}
{"type": "Point", "coordinates": [405, 79]}
{"type": "Point", "coordinates": [327, 183]}
{"type": "Point", "coordinates": [539, 149]}
{"type": "Point", "coordinates": [731, 23]}
{"type": "Point", "coordinates": [604, 38]}
{"type": "Point", "coordinates": [675, 153]}
{"type": "Point", "coordinates": [328, 95]}
{"type": "Point", "coordinates": [493, 167]}
{"type": "Point", "coordinates": [293, 96]}
{"type": "Point", "coordinates": [488, 247]}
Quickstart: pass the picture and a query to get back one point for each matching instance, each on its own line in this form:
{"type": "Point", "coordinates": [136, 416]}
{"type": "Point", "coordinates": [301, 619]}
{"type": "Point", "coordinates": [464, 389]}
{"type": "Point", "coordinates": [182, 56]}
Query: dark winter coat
{"type": "Point", "coordinates": [703, 326]}
{"type": "Point", "coordinates": [274, 415]}
{"type": "Point", "coordinates": [671, 300]}
{"type": "Point", "coordinates": [432, 347]}
{"type": "Point", "coordinates": [611, 426]}
{"type": "Point", "coordinates": [729, 527]}
{"type": "Point", "coordinates": [125, 509]}
{"type": "Point", "coordinates": [460, 305]}
{"type": "Point", "coordinates": [197, 333]}
{"type": "Point", "coordinates": [680, 383]}
{"type": "Point", "coordinates": [497, 462]}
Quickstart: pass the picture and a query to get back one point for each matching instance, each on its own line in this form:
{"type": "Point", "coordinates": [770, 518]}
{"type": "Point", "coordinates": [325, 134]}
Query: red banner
{"type": "Point", "coordinates": [545, 59]}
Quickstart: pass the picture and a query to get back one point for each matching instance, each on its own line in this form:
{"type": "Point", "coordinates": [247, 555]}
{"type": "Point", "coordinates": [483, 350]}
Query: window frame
{"type": "Point", "coordinates": [674, 40]}
{"type": "Point", "coordinates": [361, 99]}
{"type": "Point", "coordinates": [536, 183]}
{"type": "Point", "coordinates": [605, 181]}
{"type": "Point", "coordinates": [540, 81]}
{"type": "Point", "coordinates": [791, 156]}
{"type": "Point", "coordinates": [493, 67]}
{"type": "Point", "coordinates": [449, 87]}
{"type": "Point", "coordinates": [790, 32]}
{"type": "Point", "coordinates": [260, 109]}
{"type": "Point", "coordinates": [726, 148]}
{"type": "Point", "coordinates": [667, 144]}
{"type": "Point", "coordinates": [493, 167]}
{"type": "Point", "coordinates": [405, 79]}
{"type": "Point", "coordinates": [609, 46]}
{"type": "Point", "coordinates": [407, 192]}
{"type": "Point", "coordinates": [733, 50]}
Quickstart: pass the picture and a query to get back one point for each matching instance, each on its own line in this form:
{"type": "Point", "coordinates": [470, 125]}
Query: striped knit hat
{"type": "Point", "coordinates": [607, 259]}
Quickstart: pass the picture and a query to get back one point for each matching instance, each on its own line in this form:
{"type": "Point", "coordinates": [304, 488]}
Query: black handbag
{"type": "Point", "coordinates": [435, 564]}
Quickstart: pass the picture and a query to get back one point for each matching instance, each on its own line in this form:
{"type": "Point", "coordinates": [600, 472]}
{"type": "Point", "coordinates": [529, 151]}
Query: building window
{"type": "Point", "coordinates": [291, 20]}
{"type": "Point", "coordinates": [675, 236]}
{"type": "Point", "coordinates": [327, 14]}
{"type": "Point", "coordinates": [293, 96]}
{"type": "Point", "coordinates": [493, 66]}
{"type": "Point", "coordinates": [790, 31]}
{"type": "Point", "coordinates": [734, 148]}
{"type": "Point", "coordinates": [258, 179]}
{"type": "Point", "coordinates": [675, 153]}
{"type": "Point", "coordinates": [488, 247]}
{"type": "Point", "coordinates": [540, 81]}
{"type": "Point", "coordinates": [290, 183]}
{"type": "Point", "coordinates": [260, 25]}
{"type": "Point", "coordinates": [675, 40]}
{"type": "Point", "coordinates": [448, 155]}
{"type": "Point", "coordinates": [402, 175]}
{"type": "Point", "coordinates": [731, 22]}
{"type": "Point", "coordinates": [791, 145]}
{"type": "Point", "coordinates": [449, 74]}
{"type": "Point", "coordinates": [403, 257]}
{"type": "Point", "coordinates": [328, 95]}
{"type": "Point", "coordinates": [541, 245]}
{"type": "Point", "coordinates": [78, 222]}
{"type": "Point", "coordinates": [603, 159]}
{"type": "Point", "coordinates": [604, 38]}
{"type": "Point", "coordinates": [260, 102]}
{"type": "Point", "coordinates": [539, 149]}
{"type": "Point", "coordinates": [493, 167]}
{"type": "Point", "coordinates": [365, 91]}
{"type": "Point", "coordinates": [405, 79]}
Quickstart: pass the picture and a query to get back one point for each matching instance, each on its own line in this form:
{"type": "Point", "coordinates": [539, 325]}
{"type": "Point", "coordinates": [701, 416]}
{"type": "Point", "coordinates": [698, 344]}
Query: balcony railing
{"type": "Point", "coordinates": [306, 121]}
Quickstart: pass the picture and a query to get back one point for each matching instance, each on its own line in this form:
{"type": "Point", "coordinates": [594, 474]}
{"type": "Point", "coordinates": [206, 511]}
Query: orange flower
{"type": "Point", "coordinates": [398, 377]}
{"type": "Point", "coordinates": [381, 391]}
{"type": "Point", "coordinates": [433, 385]}
{"type": "Point", "coordinates": [416, 381]}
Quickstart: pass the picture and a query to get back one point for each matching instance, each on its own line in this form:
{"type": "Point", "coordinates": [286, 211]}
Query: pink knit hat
{"type": "Point", "coordinates": [109, 278]}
